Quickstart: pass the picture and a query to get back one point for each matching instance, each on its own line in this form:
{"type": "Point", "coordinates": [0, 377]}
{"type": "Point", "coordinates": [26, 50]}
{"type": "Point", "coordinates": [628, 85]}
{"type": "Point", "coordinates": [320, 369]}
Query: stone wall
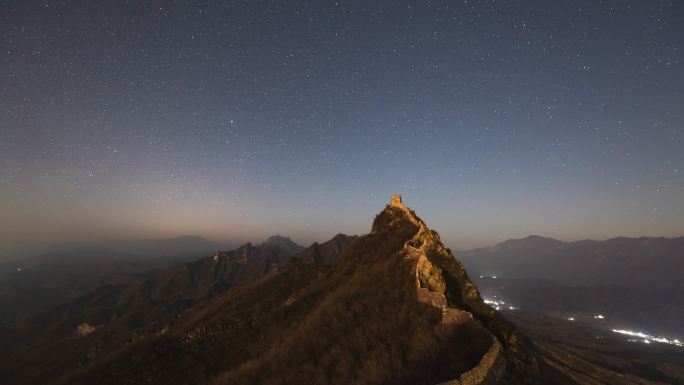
{"type": "Point", "coordinates": [479, 373]}
{"type": "Point", "coordinates": [431, 288]}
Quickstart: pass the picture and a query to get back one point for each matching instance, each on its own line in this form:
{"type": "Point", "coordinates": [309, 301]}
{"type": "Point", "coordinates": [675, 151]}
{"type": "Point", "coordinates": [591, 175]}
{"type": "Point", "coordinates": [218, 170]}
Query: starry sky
{"type": "Point", "coordinates": [238, 120]}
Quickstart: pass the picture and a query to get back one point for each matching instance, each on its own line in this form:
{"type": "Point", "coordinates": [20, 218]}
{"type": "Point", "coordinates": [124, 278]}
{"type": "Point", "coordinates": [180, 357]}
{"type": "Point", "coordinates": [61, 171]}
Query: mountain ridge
{"type": "Point", "coordinates": [577, 242]}
{"type": "Point", "coordinates": [392, 306]}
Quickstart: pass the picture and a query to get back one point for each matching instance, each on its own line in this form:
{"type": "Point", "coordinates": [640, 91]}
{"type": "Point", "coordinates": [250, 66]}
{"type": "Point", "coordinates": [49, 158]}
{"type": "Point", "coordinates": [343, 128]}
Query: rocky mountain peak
{"type": "Point", "coordinates": [442, 282]}
{"type": "Point", "coordinates": [283, 242]}
{"type": "Point", "coordinates": [397, 215]}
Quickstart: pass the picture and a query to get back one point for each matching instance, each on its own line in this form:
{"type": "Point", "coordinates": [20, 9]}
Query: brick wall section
{"type": "Point", "coordinates": [430, 289]}
{"type": "Point", "coordinates": [479, 373]}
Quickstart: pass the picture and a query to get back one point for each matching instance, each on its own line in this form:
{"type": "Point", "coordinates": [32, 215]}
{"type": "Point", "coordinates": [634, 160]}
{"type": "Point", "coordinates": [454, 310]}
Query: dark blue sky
{"type": "Point", "coordinates": [236, 120]}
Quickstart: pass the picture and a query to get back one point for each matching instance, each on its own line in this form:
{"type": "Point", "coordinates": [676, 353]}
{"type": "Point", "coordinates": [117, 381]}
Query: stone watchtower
{"type": "Point", "coordinates": [396, 201]}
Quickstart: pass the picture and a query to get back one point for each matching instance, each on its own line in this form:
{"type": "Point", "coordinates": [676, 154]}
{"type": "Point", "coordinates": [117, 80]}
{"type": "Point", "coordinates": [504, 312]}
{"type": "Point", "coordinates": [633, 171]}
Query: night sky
{"type": "Point", "coordinates": [239, 120]}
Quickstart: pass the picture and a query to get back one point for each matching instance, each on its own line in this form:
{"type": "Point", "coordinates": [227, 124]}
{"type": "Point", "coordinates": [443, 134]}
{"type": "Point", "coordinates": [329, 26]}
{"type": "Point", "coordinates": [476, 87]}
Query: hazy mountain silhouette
{"type": "Point", "coordinates": [635, 281]}
{"type": "Point", "coordinates": [621, 261]}
{"type": "Point", "coordinates": [282, 242]}
{"type": "Point", "coordinates": [32, 283]}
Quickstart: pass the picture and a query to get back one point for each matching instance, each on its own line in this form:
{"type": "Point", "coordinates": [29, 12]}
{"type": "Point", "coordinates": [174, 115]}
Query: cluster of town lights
{"type": "Point", "coordinates": [498, 304]}
{"type": "Point", "coordinates": [640, 336]}
{"type": "Point", "coordinates": [647, 338]}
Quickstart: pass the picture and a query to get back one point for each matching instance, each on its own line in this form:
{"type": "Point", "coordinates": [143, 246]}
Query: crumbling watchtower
{"type": "Point", "coordinates": [396, 201]}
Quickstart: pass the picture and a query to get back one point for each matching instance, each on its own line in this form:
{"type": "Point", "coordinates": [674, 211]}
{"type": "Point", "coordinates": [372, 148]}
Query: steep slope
{"type": "Point", "coordinates": [396, 308]}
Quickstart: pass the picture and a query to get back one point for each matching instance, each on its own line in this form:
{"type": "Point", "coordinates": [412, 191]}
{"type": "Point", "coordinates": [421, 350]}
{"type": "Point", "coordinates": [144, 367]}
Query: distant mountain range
{"type": "Point", "coordinates": [619, 261]}
{"type": "Point", "coordinates": [636, 282]}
